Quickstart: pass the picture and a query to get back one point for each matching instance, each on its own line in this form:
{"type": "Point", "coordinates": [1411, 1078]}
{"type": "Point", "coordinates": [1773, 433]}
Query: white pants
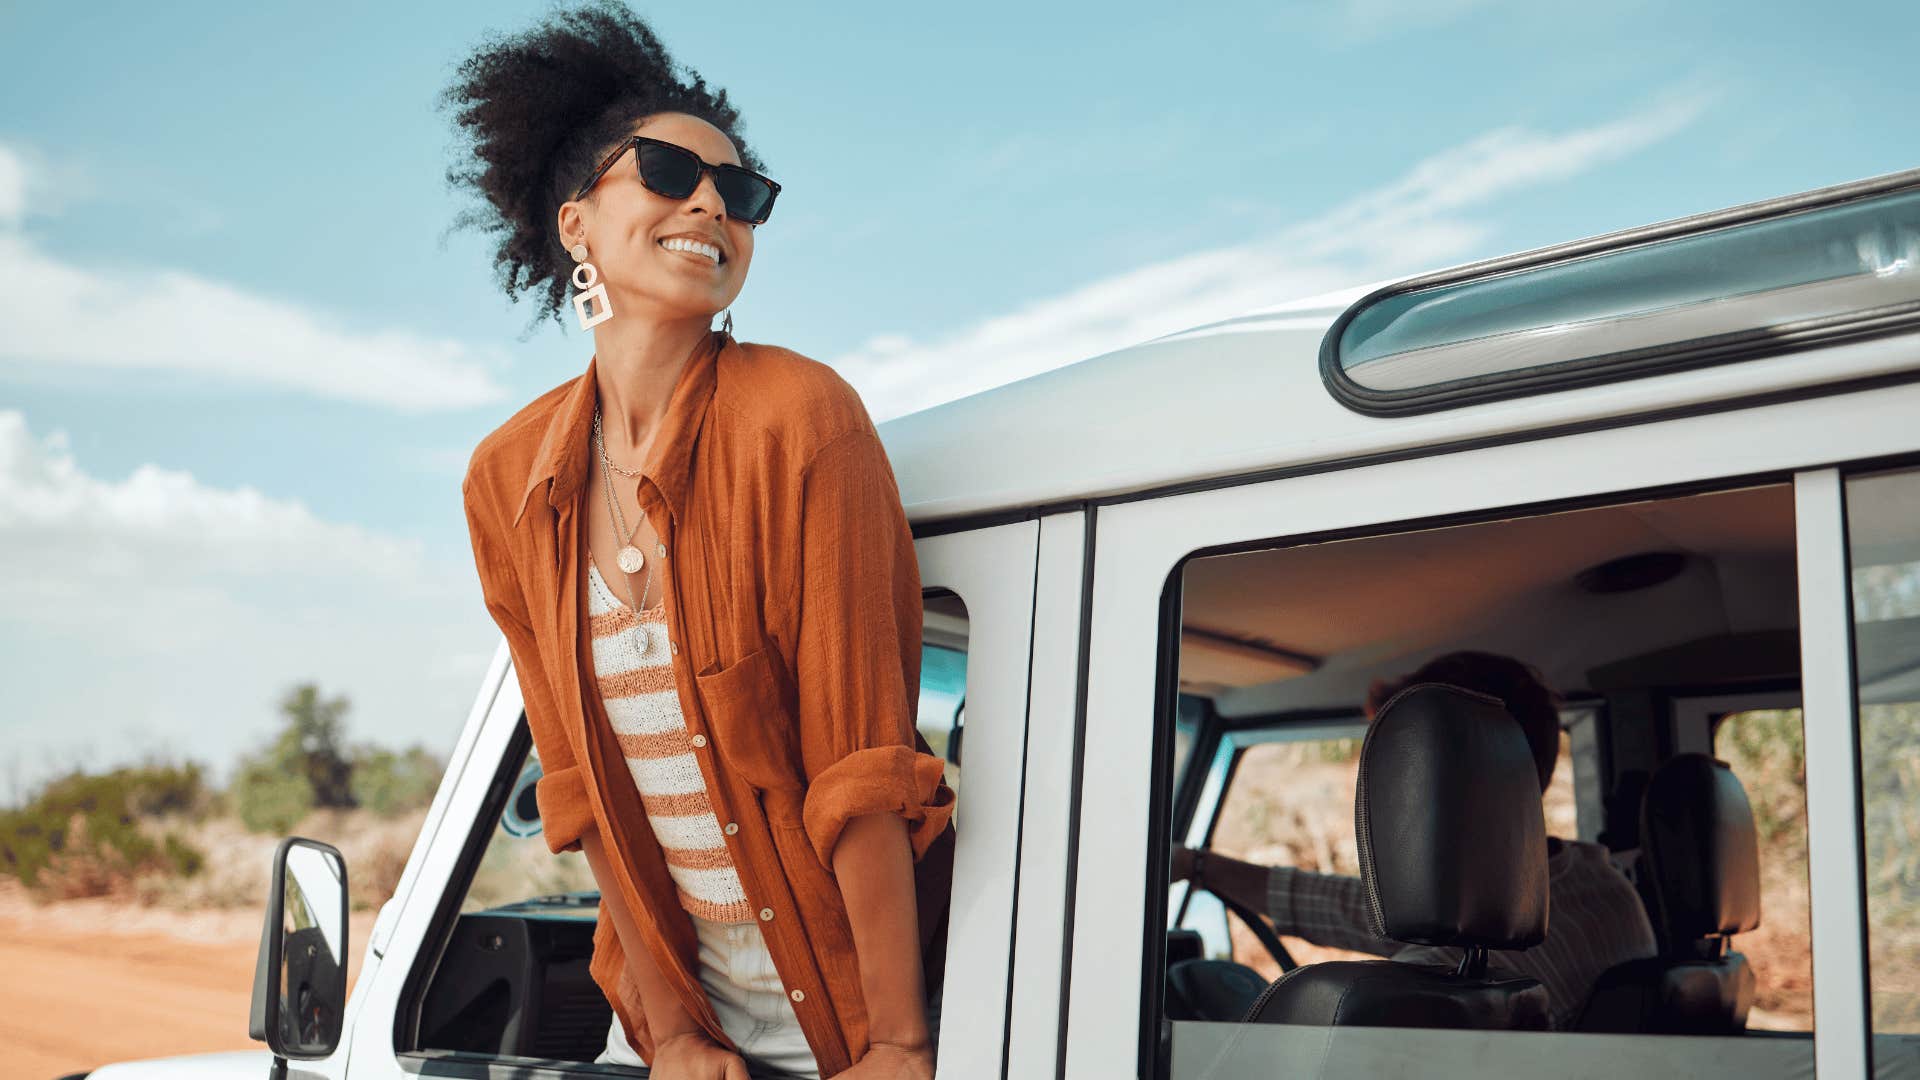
{"type": "Point", "coordinates": [738, 973]}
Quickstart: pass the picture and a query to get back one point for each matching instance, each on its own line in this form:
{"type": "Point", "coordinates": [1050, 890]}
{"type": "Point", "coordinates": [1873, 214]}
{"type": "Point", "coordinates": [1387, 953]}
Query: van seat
{"type": "Point", "coordinates": [1702, 854]}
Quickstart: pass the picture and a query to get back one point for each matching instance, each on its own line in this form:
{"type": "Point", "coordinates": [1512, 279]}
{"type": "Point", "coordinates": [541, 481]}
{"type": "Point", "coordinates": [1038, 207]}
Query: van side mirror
{"type": "Point", "coordinates": [300, 979]}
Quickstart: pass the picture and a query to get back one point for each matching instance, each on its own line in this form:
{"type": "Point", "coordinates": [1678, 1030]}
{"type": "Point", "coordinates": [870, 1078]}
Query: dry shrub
{"type": "Point", "coordinates": [81, 868]}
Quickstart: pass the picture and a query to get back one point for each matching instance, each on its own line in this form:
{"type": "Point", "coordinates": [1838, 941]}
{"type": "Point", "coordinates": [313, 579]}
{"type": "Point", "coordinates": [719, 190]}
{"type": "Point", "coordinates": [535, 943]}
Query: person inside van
{"type": "Point", "coordinates": [1597, 918]}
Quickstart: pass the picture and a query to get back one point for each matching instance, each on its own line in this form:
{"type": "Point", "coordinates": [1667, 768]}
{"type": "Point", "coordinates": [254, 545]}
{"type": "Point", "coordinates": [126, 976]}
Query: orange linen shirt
{"type": "Point", "coordinates": [793, 604]}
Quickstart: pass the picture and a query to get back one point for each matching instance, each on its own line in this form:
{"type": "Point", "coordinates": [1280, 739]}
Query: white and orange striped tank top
{"type": "Point", "coordinates": [635, 673]}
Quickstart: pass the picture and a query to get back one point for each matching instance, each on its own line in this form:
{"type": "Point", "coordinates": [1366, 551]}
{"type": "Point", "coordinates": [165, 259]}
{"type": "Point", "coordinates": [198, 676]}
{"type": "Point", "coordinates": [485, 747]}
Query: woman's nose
{"type": "Point", "coordinates": [707, 194]}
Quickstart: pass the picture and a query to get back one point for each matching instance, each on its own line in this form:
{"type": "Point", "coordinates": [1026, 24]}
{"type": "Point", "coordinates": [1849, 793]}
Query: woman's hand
{"type": "Point", "coordinates": [694, 1056]}
{"type": "Point", "coordinates": [891, 1061]}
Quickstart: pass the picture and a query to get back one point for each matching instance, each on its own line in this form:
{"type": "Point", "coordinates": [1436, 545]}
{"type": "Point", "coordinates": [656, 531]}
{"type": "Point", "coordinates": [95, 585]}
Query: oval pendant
{"type": "Point", "coordinates": [631, 560]}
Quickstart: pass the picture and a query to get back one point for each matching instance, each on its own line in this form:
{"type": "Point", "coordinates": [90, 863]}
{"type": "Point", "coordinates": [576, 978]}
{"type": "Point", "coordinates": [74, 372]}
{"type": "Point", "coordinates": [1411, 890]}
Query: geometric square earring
{"type": "Point", "coordinates": [586, 279]}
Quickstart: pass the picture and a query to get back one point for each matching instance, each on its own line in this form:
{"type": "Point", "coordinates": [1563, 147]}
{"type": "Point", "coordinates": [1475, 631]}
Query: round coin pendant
{"type": "Point", "coordinates": [631, 560]}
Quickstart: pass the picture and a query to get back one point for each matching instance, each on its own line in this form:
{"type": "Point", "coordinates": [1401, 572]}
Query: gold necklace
{"type": "Point", "coordinates": [630, 558]}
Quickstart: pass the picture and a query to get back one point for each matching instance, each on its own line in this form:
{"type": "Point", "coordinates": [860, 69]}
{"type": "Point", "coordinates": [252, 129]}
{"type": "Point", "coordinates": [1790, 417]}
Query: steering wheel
{"type": "Point", "coordinates": [1269, 940]}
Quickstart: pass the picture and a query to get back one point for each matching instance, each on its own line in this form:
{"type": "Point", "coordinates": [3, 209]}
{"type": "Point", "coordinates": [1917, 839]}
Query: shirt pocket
{"type": "Point", "coordinates": [752, 731]}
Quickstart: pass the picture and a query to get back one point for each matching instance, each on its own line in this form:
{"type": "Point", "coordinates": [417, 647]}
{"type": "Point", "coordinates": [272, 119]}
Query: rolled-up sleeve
{"type": "Point", "coordinates": [561, 791]}
{"type": "Point", "coordinates": [857, 669]}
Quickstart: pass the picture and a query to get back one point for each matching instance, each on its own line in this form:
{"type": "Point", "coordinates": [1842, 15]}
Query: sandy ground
{"type": "Point", "coordinates": [95, 981]}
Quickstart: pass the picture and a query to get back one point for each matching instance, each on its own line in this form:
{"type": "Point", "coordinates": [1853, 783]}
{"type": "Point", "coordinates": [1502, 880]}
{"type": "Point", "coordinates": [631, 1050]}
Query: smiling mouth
{"type": "Point", "coordinates": [719, 258]}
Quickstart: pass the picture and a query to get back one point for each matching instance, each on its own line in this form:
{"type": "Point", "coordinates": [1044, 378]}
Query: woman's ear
{"type": "Point", "coordinates": [571, 224]}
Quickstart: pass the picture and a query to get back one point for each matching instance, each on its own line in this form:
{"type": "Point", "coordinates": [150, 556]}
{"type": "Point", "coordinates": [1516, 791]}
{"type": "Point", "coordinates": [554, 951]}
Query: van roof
{"type": "Point", "coordinates": [1211, 400]}
{"type": "Point", "coordinates": [1245, 395]}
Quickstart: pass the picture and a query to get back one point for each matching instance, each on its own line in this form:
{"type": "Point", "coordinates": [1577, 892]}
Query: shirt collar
{"type": "Point", "coordinates": [567, 445]}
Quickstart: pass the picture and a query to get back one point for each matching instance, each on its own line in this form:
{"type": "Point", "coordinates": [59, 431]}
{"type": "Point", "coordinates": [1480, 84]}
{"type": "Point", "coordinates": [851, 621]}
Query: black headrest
{"type": "Point", "coordinates": [1451, 836]}
{"type": "Point", "coordinates": [1696, 831]}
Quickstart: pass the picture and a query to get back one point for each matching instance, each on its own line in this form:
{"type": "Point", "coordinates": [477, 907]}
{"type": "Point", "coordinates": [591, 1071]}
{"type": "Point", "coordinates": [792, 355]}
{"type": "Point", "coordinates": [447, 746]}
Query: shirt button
{"type": "Point", "coordinates": [662, 550]}
{"type": "Point", "coordinates": [732, 828]}
{"type": "Point", "coordinates": [798, 995]}
{"type": "Point", "coordinates": [699, 741]}
{"type": "Point", "coordinates": [766, 914]}
{"type": "Point", "coordinates": [675, 646]}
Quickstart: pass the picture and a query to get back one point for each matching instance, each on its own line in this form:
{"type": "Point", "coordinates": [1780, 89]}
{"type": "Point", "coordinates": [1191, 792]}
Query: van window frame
{"type": "Point", "coordinates": [1630, 364]}
{"type": "Point", "coordinates": [1840, 1046]}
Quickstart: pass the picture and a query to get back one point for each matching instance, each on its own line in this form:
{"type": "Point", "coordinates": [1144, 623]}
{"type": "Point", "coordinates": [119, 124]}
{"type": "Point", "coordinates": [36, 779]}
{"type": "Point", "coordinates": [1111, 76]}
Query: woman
{"type": "Point", "coordinates": [697, 553]}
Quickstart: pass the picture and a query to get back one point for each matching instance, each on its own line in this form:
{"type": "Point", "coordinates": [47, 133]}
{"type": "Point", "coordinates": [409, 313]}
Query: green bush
{"type": "Point", "coordinates": [1767, 750]}
{"type": "Point", "coordinates": [389, 784]}
{"type": "Point", "coordinates": [300, 768]}
{"type": "Point", "coordinates": [1890, 761]}
{"type": "Point", "coordinates": [268, 798]}
{"type": "Point", "coordinates": [80, 834]}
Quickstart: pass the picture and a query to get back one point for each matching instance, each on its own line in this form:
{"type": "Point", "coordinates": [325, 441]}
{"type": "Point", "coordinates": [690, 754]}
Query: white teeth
{"type": "Point", "coordinates": [677, 243]}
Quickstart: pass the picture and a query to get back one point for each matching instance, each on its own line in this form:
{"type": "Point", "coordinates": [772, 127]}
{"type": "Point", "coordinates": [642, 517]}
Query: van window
{"type": "Point", "coordinates": [943, 679]}
{"type": "Point", "coordinates": [1790, 277]}
{"type": "Point", "coordinates": [1291, 803]}
{"type": "Point", "coordinates": [1582, 627]}
{"type": "Point", "coordinates": [516, 864]}
{"type": "Point", "coordinates": [1767, 749]}
{"type": "Point", "coordinates": [1883, 530]}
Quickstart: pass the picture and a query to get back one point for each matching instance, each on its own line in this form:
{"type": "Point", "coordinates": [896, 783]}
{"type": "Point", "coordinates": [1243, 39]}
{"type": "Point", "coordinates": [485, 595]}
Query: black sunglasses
{"type": "Point", "coordinates": [674, 171]}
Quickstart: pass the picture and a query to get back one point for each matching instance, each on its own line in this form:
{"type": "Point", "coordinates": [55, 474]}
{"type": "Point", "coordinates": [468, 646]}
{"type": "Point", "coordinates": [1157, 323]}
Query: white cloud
{"type": "Point", "coordinates": [1417, 222]}
{"type": "Point", "coordinates": [58, 312]}
{"type": "Point", "coordinates": [159, 518]}
{"type": "Point", "coordinates": [161, 612]}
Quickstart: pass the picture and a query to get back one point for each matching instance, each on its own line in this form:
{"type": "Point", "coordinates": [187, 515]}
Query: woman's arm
{"type": "Point", "coordinates": [874, 865]}
{"type": "Point", "coordinates": [680, 1047]}
{"type": "Point", "coordinates": [875, 802]}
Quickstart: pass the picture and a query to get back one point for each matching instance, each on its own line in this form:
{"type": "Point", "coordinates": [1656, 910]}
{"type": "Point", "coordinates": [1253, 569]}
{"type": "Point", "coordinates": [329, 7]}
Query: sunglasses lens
{"type": "Point", "coordinates": [748, 197]}
{"type": "Point", "coordinates": [669, 171]}
{"type": "Point", "coordinates": [675, 172]}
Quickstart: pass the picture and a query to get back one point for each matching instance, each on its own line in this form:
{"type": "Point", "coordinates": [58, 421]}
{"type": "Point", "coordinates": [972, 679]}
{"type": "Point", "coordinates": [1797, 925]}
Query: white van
{"type": "Point", "coordinates": [1675, 469]}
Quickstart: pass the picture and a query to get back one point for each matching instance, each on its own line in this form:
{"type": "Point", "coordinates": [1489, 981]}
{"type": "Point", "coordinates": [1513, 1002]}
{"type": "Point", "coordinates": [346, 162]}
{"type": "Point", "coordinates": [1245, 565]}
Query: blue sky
{"type": "Point", "coordinates": [242, 361]}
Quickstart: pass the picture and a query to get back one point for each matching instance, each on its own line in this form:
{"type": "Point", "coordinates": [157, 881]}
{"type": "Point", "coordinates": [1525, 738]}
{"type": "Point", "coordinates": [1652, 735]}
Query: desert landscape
{"type": "Point", "coordinates": [158, 966]}
{"type": "Point", "coordinates": [114, 980]}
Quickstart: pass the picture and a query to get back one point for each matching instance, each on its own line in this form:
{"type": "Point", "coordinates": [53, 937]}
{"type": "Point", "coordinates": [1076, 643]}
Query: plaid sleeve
{"type": "Point", "coordinates": [1326, 909]}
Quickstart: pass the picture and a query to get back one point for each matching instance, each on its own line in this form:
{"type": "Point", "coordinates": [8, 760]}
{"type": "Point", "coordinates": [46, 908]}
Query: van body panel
{"type": "Point", "coordinates": [1833, 774]}
{"type": "Point", "coordinates": [223, 1065]}
{"type": "Point", "coordinates": [1033, 1036]}
{"type": "Point", "coordinates": [992, 572]}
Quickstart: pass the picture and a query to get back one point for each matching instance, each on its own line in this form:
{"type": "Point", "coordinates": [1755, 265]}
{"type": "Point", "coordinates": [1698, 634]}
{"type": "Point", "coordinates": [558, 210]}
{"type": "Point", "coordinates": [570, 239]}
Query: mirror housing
{"type": "Point", "coordinates": [300, 979]}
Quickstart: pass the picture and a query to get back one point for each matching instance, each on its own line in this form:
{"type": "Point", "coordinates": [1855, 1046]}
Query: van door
{"type": "Point", "coordinates": [1113, 1024]}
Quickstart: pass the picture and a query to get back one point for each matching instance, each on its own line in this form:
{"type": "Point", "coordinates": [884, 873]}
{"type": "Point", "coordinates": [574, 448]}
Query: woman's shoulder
{"type": "Point", "coordinates": [506, 453]}
{"type": "Point", "coordinates": [804, 402]}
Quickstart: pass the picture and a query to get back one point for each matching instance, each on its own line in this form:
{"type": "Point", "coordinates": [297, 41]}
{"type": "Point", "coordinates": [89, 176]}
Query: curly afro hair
{"type": "Point", "coordinates": [541, 108]}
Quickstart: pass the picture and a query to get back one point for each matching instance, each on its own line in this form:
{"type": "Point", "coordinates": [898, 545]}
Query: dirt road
{"type": "Point", "coordinates": [90, 982]}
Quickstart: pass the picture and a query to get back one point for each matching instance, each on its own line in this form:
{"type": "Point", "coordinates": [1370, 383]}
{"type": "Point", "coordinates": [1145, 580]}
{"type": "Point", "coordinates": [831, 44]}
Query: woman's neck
{"type": "Point", "coordinates": [637, 364]}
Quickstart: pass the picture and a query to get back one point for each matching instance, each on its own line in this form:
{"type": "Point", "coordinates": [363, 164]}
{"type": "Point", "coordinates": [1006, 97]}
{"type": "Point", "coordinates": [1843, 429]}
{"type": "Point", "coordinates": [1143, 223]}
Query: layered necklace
{"type": "Point", "coordinates": [630, 557]}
